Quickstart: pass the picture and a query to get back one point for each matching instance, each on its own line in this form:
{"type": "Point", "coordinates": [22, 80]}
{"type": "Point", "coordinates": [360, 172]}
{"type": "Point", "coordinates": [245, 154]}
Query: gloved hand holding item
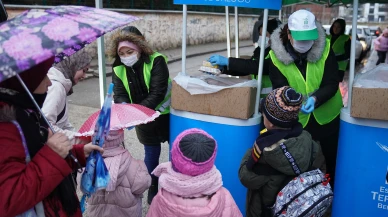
{"type": "Point", "coordinates": [218, 60]}
{"type": "Point", "coordinates": [309, 106]}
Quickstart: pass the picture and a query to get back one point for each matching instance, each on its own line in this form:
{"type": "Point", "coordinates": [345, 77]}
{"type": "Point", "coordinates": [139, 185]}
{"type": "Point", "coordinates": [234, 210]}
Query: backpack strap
{"type": "Point", "coordinates": [290, 159]}
{"type": "Point", "coordinates": [60, 116]}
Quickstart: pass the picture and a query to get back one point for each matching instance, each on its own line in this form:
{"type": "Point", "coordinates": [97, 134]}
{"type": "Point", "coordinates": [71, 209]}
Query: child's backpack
{"type": "Point", "coordinates": [307, 195]}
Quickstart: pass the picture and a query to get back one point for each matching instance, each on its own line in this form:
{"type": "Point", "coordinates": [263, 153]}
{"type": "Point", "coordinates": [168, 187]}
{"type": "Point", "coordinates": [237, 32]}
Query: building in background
{"type": "Point", "coordinates": [322, 13]}
{"type": "Point", "coordinates": [377, 13]}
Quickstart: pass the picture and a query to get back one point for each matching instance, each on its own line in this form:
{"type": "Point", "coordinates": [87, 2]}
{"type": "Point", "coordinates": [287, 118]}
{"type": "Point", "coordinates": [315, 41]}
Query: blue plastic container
{"type": "Point", "coordinates": [234, 137]}
{"type": "Point", "coordinates": [361, 187]}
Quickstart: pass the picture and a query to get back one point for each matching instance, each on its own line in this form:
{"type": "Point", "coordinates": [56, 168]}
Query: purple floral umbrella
{"type": "Point", "coordinates": [36, 35]}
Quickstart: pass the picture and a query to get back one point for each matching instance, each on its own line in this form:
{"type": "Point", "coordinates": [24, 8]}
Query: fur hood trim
{"type": "Point", "coordinates": [119, 36]}
{"type": "Point", "coordinates": [313, 55]}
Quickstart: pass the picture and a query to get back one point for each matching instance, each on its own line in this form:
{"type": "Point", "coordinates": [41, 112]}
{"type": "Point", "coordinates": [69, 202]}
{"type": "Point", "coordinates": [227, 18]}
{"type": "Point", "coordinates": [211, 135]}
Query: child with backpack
{"type": "Point", "coordinates": [282, 151]}
{"type": "Point", "coordinates": [191, 186]}
{"type": "Point", "coordinates": [129, 179]}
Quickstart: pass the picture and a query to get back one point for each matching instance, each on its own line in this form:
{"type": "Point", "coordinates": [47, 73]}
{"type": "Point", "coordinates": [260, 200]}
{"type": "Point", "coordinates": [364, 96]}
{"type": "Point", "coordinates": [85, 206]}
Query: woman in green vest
{"type": "Point", "coordinates": [243, 67]}
{"type": "Point", "coordinates": [141, 76]}
{"type": "Point", "coordinates": [340, 44]}
{"type": "Point", "coordinates": [301, 58]}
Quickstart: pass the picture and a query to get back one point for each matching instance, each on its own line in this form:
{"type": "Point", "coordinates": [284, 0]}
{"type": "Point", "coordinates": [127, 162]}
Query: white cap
{"type": "Point", "coordinates": [302, 26]}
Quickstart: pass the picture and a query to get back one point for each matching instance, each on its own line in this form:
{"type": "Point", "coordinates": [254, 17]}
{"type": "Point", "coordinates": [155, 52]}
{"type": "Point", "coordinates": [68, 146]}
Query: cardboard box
{"type": "Point", "coordinates": [370, 94]}
{"type": "Point", "coordinates": [236, 102]}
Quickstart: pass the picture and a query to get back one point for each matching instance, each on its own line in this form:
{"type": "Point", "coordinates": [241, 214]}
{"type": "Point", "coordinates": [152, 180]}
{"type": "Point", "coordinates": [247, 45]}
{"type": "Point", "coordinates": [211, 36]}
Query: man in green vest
{"type": "Point", "coordinates": [340, 44]}
{"type": "Point", "coordinates": [301, 57]}
{"type": "Point", "coordinates": [243, 67]}
{"type": "Point", "coordinates": [141, 76]}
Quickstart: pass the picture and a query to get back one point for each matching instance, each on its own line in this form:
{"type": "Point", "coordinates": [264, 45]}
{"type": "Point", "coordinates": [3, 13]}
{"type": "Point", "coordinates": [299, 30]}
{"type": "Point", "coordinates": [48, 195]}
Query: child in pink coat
{"type": "Point", "coordinates": [381, 46]}
{"type": "Point", "coordinates": [191, 186]}
{"type": "Point", "coordinates": [129, 179]}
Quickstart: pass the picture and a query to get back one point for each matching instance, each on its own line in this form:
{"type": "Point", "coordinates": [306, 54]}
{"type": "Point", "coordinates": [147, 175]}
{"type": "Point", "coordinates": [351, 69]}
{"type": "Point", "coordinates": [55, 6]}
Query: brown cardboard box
{"type": "Point", "coordinates": [370, 103]}
{"type": "Point", "coordinates": [232, 102]}
{"type": "Point", "coordinates": [370, 94]}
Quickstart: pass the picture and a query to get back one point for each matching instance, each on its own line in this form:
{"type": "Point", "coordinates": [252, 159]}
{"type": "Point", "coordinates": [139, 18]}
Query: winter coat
{"type": "Point", "coordinates": [158, 130]}
{"type": "Point", "coordinates": [129, 180]}
{"type": "Point", "coordinates": [277, 171]}
{"type": "Point", "coordinates": [23, 185]}
{"type": "Point", "coordinates": [221, 204]}
{"type": "Point", "coordinates": [55, 106]}
{"type": "Point", "coordinates": [242, 67]}
{"type": "Point", "coordinates": [381, 43]}
{"type": "Point", "coordinates": [330, 80]}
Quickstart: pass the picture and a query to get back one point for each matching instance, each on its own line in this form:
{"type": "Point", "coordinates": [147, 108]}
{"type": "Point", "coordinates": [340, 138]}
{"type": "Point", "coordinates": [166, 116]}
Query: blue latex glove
{"type": "Point", "coordinates": [218, 60]}
{"type": "Point", "coordinates": [309, 106]}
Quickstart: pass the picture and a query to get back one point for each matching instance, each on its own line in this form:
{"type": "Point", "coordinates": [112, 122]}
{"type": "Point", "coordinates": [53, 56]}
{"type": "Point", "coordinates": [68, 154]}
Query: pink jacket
{"type": "Point", "coordinates": [381, 43]}
{"type": "Point", "coordinates": [221, 204]}
{"type": "Point", "coordinates": [123, 195]}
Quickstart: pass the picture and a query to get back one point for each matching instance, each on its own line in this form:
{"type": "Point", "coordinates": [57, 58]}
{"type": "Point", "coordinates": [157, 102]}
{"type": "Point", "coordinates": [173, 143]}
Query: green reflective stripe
{"type": "Point", "coordinates": [314, 73]}
{"type": "Point", "coordinates": [266, 86]}
{"type": "Point", "coordinates": [120, 71]}
{"type": "Point", "coordinates": [339, 49]}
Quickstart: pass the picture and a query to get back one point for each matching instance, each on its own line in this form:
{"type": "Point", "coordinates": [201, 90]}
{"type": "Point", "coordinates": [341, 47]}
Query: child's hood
{"type": "Point", "coordinates": [301, 148]}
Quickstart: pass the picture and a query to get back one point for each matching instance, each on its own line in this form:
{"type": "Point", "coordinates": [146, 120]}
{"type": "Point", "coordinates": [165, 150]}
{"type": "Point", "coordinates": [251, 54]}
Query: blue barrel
{"type": "Point", "coordinates": [361, 185]}
{"type": "Point", "coordinates": [234, 137]}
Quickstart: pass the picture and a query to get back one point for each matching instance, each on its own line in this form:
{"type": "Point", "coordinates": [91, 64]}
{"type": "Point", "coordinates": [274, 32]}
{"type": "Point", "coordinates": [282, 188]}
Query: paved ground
{"type": "Point", "coordinates": [85, 99]}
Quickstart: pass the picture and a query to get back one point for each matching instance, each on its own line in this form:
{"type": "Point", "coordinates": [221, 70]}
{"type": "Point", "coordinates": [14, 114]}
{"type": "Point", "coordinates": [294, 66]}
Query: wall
{"type": "Point", "coordinates": [163, 29]}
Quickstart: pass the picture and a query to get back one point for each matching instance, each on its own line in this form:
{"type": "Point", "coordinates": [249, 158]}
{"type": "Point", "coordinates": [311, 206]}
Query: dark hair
{"type": "Point", "coordinates": [284, 34]}
{"type": "Point", "coordinates": [342, 23]}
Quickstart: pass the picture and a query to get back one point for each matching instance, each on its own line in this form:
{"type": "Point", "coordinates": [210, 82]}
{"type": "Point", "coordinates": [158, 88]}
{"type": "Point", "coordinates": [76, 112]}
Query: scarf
{"type": "Point", "coordinates": [35, 131]}
{"type": "Point", "coordinates": [185, 185]}
{"type": "Point", "coordinates": [112, 158]}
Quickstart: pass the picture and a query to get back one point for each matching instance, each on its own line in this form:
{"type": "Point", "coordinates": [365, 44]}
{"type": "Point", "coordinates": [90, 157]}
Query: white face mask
{"type": "Point", "coordinates": [266, 44]}
{"type": "Point", "coordinates": [130, 60]}
{"type": "Point", "coordinates": [302, 46]}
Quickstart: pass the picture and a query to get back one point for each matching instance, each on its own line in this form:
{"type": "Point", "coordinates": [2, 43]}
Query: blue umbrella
{"type": "Point", "coordinates": [96, 175]}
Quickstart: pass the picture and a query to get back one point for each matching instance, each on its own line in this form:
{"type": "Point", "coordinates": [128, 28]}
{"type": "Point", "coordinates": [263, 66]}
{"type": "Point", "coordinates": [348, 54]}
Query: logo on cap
{"type": "Point", "coordinates": [306, 23]}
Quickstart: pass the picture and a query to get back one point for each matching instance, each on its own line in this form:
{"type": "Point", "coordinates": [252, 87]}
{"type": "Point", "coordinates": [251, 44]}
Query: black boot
{"type": "Point", "coordinates": [153, 190]}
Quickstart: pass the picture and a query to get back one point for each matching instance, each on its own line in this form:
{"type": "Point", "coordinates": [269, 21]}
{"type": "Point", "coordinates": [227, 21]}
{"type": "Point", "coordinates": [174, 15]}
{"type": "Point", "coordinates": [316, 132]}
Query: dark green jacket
{"type": "Point", "coordinates": [263, 188]}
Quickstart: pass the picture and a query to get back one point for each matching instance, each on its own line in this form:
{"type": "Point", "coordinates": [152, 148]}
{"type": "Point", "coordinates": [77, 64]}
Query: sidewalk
{"type": "Point", "coordinates": [175, 54]}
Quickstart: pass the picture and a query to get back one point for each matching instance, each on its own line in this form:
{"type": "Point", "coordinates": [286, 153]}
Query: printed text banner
{"type": "Point", "coordinates": [264, 4]}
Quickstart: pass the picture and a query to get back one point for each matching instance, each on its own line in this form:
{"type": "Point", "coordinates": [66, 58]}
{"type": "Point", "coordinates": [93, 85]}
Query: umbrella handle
{"type": "Point", "coordinates": [45, 119]}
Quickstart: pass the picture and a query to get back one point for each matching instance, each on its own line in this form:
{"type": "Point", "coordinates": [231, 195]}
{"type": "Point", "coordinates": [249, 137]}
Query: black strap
{"type": "Point", "coordinates": [290, 159]}
{"type": "Point", "coordinates": [60, 116]}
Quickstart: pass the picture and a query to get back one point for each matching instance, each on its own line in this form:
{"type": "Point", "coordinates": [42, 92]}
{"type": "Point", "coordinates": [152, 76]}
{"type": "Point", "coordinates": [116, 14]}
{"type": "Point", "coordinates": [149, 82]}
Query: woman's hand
{"type": "Point", "coordinates": [88, 148]}
{"type": "Point", "coordinates": [60, 144]}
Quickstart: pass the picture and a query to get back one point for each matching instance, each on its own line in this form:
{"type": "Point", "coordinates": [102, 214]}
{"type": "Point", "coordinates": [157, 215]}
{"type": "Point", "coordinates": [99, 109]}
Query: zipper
{"type": "Point", "coordinates": [314, 204]}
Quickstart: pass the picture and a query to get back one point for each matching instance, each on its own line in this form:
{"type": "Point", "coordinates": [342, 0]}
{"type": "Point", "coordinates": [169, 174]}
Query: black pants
{"type": "Point", "coordinates": [382, 55]}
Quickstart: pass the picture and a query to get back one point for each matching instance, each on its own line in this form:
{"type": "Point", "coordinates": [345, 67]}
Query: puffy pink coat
{"type": "Point", "coordinates": [166, 204]}
{"type": "Point", "coordinates": [381, 43]}
{"type": "Point", "coordinates": [129, 180]}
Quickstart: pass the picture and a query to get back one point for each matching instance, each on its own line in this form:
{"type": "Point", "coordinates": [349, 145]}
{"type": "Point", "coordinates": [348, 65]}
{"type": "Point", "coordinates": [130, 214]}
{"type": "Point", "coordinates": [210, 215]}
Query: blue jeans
{"type": "Point", "coordinates": [151, 158]}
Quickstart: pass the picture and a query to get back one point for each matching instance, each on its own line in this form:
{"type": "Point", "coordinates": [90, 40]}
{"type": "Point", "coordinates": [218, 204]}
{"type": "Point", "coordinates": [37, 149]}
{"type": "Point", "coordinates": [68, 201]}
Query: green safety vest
{"type": "Point", "coordinates": [121, 72]}
{"type": "Point", "coordinates": [339, 49]}
{"type": "Point", "coordinates": [266, 85]}
{"type": "Point", "coordinates": [326, 112]}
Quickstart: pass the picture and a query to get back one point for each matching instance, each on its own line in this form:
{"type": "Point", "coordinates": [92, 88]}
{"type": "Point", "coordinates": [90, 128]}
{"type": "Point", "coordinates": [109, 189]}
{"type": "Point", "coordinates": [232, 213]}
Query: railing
{"type": "Point", "coordinates": [138, 4]}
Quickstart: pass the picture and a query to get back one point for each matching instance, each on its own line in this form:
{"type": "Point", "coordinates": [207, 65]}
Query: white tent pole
{"type": "Point", "coordinates": [101, 62]}
{"type": "Point", "coordinates": [184, 35]}
{"type": "Point", "coordinates": [261, 61]}
{"type": "Point", "coordinates": [227, 30]}
{"type": "Point", "coordinates": [352, 53]}
{"type": "Point", "coordinates": [236, 35]}
{"type": "Point", "coordinates": [280, 15]}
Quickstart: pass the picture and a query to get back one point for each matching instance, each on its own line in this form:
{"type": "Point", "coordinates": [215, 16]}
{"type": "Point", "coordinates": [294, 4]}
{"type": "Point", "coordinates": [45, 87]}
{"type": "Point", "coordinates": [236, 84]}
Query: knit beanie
{"type": "Point", "coordinates": [31, 77]}
{"type": "Point", "coordinates": [281, 106]}
{"type": "Point", "coordinates": [193, 152]}
{"type": "Point", "coordinates": [114, 139]}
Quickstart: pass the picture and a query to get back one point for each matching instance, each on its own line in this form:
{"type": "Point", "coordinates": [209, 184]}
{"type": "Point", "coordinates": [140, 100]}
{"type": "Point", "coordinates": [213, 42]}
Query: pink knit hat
{"type": "Point", "coordinates": [114, 139]}
{"type": "Point", "coordinates": [193, 152]}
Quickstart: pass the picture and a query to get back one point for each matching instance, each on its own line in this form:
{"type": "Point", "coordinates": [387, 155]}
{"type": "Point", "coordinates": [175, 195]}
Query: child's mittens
{"type": "Point", "coordinates": [254, 157]}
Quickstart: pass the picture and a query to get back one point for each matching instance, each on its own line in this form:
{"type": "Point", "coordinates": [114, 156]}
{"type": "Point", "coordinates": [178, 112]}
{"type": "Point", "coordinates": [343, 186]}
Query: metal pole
{"type": "Point", "coordinates": [227, 30]}
{"type": "Point", "coordinates": [184, 34]}
{"type": "Point", "coordinates": [236, 36]}
{"type": "Point", "coordinates": [280, 15]}
{"type": "Point", "coordinates": [101, 62]}
{"type": "Point", "coordinates": [261, 61]}
{"type": "Point", "coordinates": [352, 53]}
